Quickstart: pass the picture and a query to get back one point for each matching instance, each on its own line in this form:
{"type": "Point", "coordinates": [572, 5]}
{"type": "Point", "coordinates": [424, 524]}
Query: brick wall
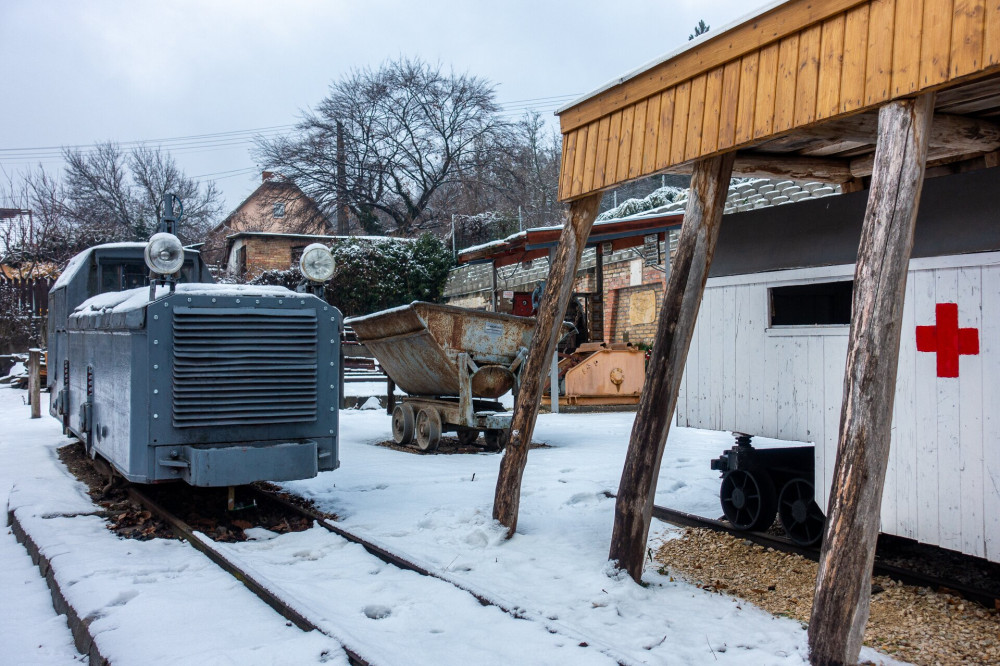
{"type": "Point", "coordinates": [621, 327]}
{"type": "Point", "coordinates": [471, 284]}
{"type": "Point", "coordinates": [618, 288]}
{"type": "Point", "coordinates": [270, 254]}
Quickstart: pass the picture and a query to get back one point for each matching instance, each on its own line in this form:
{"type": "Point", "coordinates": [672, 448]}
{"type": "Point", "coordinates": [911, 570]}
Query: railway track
{"type": "Point", "coordinates": [287, 607]}
{"type": "Point", "coordinates": [905, 575]}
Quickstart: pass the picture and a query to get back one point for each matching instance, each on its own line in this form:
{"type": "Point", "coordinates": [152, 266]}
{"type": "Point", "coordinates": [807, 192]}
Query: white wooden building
{"type": "Point", "coordinates": [769, 351]}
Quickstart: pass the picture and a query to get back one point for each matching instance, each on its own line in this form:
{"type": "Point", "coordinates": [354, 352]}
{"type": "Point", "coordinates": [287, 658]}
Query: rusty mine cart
{"type": "Point", "coordinates": [454, 363]}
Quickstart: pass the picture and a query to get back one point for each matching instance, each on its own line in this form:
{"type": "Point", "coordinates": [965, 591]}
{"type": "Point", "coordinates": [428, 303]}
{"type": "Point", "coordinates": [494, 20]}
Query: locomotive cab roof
{"type": "Point", "coordinates": [115, 267]}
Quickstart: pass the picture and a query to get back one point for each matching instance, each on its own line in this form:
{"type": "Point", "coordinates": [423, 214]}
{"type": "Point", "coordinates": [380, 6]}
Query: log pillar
{"type": "Point", "coordinates": [678, 314]}
{"type": "Point", "coordinates": [35, 382]}
{"type": "Point", "coordinates": [552, 309]}
{"type": "Point", "coordinates": [843, 584]}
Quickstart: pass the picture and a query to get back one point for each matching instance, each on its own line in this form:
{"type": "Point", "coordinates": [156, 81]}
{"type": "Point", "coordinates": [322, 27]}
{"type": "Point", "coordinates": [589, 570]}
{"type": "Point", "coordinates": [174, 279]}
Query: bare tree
{"type": "Point", "coordinates": [409, 130]}
{"type": "Point", "coordinates": [538, 154]}
{"type": "Point", "coordinates": [32, 229]}
{"type": "Point", "coordinates": [515, 176]}
{"type": "Point", "coordinates": [116, 195]}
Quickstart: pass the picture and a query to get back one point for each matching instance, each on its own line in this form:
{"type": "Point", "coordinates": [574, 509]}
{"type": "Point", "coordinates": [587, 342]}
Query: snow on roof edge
{"type": "Point", "coordinates": [697, 41]}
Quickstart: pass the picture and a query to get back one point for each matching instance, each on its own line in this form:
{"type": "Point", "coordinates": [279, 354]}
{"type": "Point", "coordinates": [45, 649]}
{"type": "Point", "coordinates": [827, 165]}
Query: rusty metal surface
{"type": "Point", "coordinates": [418, 346]}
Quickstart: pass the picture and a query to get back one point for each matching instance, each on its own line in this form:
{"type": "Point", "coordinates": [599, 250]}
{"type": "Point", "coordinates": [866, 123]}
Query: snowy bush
{"type": "Point", "coordinates": [374, 274]}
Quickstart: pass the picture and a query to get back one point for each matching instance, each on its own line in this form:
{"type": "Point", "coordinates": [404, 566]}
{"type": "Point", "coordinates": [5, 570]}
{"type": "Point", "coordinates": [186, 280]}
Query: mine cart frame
{"type": "Point", "coordinates": [422, 419]}
{"type": "Point", "coordinates": [757, 483]}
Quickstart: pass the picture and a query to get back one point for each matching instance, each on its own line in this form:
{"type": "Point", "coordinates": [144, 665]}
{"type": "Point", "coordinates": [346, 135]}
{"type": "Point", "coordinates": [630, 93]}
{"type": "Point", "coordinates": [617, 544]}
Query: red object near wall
{"type": "Point", "coordinates": [522, 304]}
{"type": "Point", "coordinates": [947, 340]}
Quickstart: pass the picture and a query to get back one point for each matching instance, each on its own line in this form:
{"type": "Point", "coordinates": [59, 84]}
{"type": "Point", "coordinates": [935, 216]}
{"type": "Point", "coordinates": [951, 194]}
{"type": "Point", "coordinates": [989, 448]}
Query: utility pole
{"type": "Point", "coordinates": [342, 228]}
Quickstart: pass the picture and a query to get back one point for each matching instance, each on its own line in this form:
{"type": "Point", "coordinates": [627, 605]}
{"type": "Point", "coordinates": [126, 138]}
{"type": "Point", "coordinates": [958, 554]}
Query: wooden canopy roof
{"type": "Point", "coordinates": [796, 90]}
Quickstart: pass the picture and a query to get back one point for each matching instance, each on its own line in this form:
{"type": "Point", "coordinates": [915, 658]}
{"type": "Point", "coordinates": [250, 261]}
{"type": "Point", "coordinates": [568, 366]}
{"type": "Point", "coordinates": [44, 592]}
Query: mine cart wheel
{"type": "Point", "coordinates": [428, 430]}
{"type": "Point", "coordinates": [402, 424]}
{"type": "Point", "coordinates": [492, 438]}
{"type": "Point", "coordinates": [468, 437]}
{"type": "Point", "coordinates": [799, 514]}
{"type": "Point", "coordinates": [748, 499]}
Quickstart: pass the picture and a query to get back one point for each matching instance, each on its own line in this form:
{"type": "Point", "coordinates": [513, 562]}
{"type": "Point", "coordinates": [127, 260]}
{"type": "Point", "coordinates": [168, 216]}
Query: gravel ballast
{"type": "Point", "coordinates": [910, 623]}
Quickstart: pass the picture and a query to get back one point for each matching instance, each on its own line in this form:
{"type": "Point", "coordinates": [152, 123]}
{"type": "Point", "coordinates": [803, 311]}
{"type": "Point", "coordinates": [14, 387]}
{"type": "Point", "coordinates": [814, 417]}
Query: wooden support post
{"type": "Point", "coordinates": [554, 383]}
{"type": "Point", "coordinates": [494, 301]}
{"type": "Point", "coordinates": [35, 382]}
{"type": "Point", "coordinates": [597, 323]}
{"type": "Point", "coordinates": [390, 395]}
{"type": "Point", "coordinates": [558, 289]}
{"type": "Point", "coordinates": [554, 366]}
{"type": "Point", "coordinates": [843, 584]}
{"type": "Point", "coordinates": [678, 314]}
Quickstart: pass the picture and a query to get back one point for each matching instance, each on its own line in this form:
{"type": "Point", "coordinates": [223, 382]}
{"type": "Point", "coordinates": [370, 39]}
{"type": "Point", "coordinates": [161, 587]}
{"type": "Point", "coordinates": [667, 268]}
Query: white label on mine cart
{"type": "Point", "coordinates": [493, 329]}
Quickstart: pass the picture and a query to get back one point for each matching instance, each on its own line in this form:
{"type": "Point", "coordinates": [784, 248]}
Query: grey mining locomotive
{"type": "Point", "coordinates": [212, 384]}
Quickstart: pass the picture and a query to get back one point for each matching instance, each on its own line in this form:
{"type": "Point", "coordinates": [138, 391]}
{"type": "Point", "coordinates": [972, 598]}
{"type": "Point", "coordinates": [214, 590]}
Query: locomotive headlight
{"type": "Point", "coordinates": [317, 263]}
{"type": "Point", "coordinates": [164, 254]}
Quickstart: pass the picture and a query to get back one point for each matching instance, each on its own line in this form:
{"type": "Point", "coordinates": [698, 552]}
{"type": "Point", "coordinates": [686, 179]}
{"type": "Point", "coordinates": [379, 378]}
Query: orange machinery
{"type": "Point", "coordinates": [598, 374]}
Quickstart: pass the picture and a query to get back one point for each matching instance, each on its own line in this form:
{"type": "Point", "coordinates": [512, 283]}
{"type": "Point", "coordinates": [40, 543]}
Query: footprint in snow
{"type": "Point", "coordinates": [477, 539]}
{"type": "Point", "coordinates": [583, 498]}
{"type": "Point", "coordinates": [123, 598]}
{"type": "Point", "coordinates": [377, 612]}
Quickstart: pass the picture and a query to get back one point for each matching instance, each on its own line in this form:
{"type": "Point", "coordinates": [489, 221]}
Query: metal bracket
{"type": "Point", "coordinates": [465, 365]}
{"type": "Point", "coordinates": [515, 368]}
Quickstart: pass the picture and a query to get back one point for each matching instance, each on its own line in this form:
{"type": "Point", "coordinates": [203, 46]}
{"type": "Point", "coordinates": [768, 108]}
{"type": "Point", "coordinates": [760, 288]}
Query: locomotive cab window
{"type": "Point", "coordinates": [819, 304]}
{"type": "Point", "coordinates": [120, 275]}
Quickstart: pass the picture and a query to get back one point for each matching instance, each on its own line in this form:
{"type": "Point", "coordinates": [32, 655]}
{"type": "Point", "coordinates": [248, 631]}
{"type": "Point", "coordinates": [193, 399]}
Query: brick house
{"type": "Point", "coordinates": [276, 207]}
{"type": "Point", "coordinates": [249, 253]}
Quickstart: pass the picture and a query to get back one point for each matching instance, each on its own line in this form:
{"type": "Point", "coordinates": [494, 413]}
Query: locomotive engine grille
{"type": "Point", "coordinates": [243, 367]}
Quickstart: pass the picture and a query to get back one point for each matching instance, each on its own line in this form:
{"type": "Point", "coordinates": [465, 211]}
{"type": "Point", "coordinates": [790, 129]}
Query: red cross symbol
{"type": "Point", "coordinates": [948, 340]}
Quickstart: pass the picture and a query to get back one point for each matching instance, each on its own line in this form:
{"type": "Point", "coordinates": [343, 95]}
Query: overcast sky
{"type": "Point", "coordinates": [75, 73]}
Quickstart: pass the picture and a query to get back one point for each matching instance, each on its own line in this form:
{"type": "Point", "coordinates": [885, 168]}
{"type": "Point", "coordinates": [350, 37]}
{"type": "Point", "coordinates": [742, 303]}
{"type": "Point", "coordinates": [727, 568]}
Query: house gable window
{"type": "Point", "coordinates": [817, 304]}
{"type": "Point", "coordinates": [279, 209]}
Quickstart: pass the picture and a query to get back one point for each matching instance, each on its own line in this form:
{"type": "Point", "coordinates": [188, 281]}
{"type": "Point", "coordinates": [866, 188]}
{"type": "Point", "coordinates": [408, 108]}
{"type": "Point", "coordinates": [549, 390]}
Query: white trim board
{"type": "Point", "coordinates": [846, 271]}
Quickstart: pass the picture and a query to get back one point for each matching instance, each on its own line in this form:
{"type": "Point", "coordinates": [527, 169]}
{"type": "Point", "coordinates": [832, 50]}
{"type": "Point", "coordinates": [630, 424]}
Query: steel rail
{"type": "Point", "coordinates": [280, 606]}
{"type": "Point", "coordinates": [404, 563]}
{"type": "Point", "coordinates": [284, 609]}
{"type": "Point", "coordinates": [901, 574]}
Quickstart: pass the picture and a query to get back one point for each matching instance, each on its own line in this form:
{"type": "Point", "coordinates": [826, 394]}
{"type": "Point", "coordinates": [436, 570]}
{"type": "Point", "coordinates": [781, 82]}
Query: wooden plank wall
{"type": "Point", "coordinates": [835, 59]}
{"type": "Point", "coordinates": [943, 480]}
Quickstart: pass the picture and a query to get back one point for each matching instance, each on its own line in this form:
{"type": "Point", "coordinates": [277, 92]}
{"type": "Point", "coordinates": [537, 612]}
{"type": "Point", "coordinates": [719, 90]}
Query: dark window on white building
{"type": "Point", "coordinates": [819, 304]}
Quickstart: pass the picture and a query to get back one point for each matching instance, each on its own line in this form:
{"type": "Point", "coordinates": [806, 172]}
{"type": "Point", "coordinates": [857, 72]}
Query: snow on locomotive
{"type": "Point", "coordinates": [214, 385]}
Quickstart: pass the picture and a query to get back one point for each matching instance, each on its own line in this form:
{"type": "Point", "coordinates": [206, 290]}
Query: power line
{"type": "Point", "coordinates": [140, 142]}
{"type": "Point", "coordinates": [249, 134]}
{"type": "Point", "coordinates": [236, 139]}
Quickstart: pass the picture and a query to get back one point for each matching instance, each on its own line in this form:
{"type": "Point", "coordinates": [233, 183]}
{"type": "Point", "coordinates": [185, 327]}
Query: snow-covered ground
{"type": "Point", "coordinates": [434, 508]}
